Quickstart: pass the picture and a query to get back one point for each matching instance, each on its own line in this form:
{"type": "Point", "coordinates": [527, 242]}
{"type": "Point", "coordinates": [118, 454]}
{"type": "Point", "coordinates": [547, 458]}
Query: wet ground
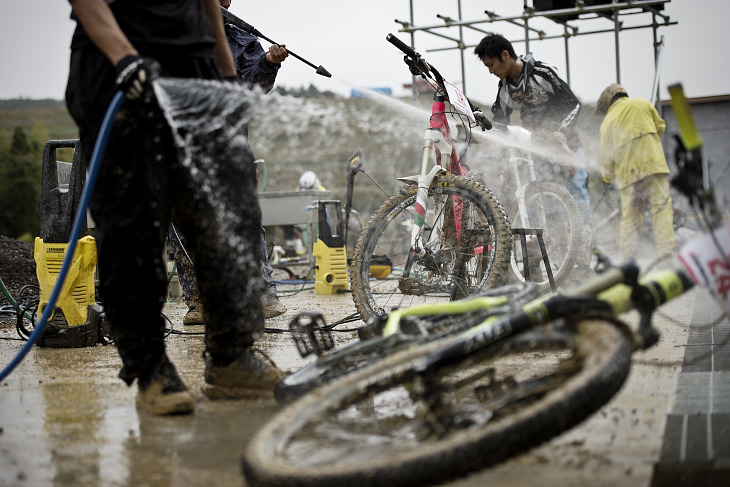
{"type": "Point", "coordinates": [67, 420]}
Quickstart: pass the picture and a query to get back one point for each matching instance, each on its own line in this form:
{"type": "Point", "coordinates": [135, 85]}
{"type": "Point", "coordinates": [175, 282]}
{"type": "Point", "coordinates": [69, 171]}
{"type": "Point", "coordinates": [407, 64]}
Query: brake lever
{"type": "Point", "coordinates": [417, 65]}
{"type": "Point", "coordinates": [412, 67]}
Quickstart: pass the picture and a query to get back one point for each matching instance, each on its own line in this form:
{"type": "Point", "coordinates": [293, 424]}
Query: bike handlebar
{"type": "Point", "coordinates": [419, 65]}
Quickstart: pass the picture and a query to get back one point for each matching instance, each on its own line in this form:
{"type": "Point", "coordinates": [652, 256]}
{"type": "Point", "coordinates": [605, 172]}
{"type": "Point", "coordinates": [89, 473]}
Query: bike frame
{"type": "Point", "coordinates": [522, 164]}
{"type": "Point", "coordinates": [515, 161]}
{"type": "Point", "coordinates": [437, 146]}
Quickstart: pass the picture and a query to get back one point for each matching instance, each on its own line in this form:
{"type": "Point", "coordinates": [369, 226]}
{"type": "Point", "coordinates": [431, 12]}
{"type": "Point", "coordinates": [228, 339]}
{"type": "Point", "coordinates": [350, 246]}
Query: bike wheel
{"type": "Point", "coordinates": [395, 423]}
{"type": "Point", "coordinates": [457, 263]}
{"type": "Point", "coordinates": [551, 208]}
{"type": "Point", "coordinates": [413, 330]}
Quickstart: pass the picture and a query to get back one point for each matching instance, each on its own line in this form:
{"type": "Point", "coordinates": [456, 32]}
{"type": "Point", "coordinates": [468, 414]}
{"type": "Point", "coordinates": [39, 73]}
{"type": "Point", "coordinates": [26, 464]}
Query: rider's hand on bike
{"type": "Point", "coordinates": [482, 120]}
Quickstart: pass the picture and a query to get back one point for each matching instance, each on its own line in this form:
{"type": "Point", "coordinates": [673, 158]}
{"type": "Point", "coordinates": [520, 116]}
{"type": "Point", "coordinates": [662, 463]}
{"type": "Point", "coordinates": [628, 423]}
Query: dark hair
{"type": "Point", "coordinates": [493, 45]}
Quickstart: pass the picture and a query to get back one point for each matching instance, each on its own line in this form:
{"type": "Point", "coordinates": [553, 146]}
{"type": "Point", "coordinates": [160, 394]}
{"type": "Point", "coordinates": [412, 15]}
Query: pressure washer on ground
{"type": "Point", "coordinates": [330, 274]}
{"type": "Point", "coordinates": [78, 223]}
{"type": "Point", "coordinates": [76, 320]}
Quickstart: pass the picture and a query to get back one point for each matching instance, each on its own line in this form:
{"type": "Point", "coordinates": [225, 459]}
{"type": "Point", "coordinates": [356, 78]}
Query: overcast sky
{"type": "Point", "coordinates": [348, 39]}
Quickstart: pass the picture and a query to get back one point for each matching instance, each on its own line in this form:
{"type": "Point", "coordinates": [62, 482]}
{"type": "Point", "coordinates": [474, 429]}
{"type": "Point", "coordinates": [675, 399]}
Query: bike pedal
{"type": "Point", "coordinates": [310, 333]}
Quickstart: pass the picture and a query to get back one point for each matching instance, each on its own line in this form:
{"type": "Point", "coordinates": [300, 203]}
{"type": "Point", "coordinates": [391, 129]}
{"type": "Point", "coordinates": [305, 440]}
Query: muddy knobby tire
{"type": "Point", "coordinates": [387, 238]}
{"type": "Point", "coordinates": [321, 439]}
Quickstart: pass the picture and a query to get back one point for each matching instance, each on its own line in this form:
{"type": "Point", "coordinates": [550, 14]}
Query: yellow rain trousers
{"type": "Point", "coordinates": [632, 158]}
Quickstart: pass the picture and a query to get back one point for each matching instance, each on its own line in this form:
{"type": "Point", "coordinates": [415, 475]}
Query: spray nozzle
{"type": "Point", "coordinates": [323, 72]}
{"type": "Point", "coordinates": [229, 18]}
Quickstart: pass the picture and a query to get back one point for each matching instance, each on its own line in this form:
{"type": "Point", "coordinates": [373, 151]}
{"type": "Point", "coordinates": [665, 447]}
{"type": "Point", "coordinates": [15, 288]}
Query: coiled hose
{"type": "Point", "coordinates": [99, 148]}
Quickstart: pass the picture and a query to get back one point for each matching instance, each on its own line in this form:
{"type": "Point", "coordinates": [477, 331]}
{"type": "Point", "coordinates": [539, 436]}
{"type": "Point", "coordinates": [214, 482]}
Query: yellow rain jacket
{"type": "Point", "coordinates": [631, 148]}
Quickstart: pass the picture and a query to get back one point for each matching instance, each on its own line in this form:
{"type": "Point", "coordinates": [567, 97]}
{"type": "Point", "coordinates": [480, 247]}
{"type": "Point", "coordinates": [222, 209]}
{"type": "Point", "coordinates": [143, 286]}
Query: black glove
{"type": "Point", "coordinates": [135, 74]}
{"type": "Point", "coordinates": [482, 120]}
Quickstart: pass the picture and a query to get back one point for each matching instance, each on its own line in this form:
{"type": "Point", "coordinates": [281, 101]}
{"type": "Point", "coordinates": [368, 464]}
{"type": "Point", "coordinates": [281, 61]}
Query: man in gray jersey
{"type": "Point", "coordinates": [545, 103]}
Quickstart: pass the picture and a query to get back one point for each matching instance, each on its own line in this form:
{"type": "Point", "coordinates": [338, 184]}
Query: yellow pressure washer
{"type": "Point", "coordinates": [77, 320]}
{"type": "Point", "coordinates": [330, 274]}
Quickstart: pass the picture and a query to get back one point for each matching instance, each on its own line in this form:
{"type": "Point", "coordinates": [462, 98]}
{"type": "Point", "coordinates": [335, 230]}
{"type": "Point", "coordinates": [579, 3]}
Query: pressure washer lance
{"type": "Point", "coordinates": [232, 19]}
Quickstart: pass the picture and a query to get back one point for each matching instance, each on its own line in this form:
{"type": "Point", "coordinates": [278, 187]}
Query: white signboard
{"type": "Point", "coordinates": [459, 100]}
{"type": "Point", "coordinates": [706, 259]}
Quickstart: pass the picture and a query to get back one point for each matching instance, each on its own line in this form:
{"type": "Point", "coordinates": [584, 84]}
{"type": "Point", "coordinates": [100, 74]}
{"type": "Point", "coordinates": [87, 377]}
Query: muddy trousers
{"type": "Point", "coordinates": [649, 195]}
{"type": "Point", "coordinates": [184, 263]}
{"type": "Point", "coordinates": [142, 186]}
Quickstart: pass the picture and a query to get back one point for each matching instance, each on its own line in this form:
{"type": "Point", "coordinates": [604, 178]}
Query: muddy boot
{"type": "Point", "coordinates": [162, 392]}
{"type": "Point", "coordinates": [194, 316]}
{"type": "Point", "coordinates": [252, 375]}
{"type": "Point", "coordinates": [272, 305]}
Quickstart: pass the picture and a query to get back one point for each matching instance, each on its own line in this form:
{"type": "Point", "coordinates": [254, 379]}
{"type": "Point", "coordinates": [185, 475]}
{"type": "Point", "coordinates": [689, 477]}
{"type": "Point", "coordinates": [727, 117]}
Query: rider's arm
{"type": "Point", "coordinates": [500, 110]}
{"type": "Point", "coordinates": [222, 51]}
{"type": "Point", "coordinates": [661, 125]}
{"type": "Point", "coordinates": [252, 63]}
{"type": "Point", "coordinates": [563, 105]}
{"type": "Point", "coordinates": [99, 23]}
{"type": "Point", "coordinates": [606, 153]}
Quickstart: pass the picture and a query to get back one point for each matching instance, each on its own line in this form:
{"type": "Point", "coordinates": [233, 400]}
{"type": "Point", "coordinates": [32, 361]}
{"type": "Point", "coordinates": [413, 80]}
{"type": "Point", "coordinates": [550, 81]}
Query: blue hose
{"type": "Point", "coordinates": [99, 148]}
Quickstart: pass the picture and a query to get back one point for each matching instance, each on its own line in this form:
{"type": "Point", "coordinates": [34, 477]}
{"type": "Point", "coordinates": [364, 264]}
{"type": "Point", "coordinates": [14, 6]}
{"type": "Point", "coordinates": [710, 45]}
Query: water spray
{"type": "Point", "coordinates": [232, 19]}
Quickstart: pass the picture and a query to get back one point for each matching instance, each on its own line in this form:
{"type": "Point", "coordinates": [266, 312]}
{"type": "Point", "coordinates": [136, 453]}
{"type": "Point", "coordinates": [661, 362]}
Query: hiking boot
{"type": "Point", "coordinates": [162, 392]}
{"type": "Point", "coordinates": [272, 306]}
{"type": "Point", "coordinates": [194, 316]}
{"type": "Point", "coordinates": [252, 375]}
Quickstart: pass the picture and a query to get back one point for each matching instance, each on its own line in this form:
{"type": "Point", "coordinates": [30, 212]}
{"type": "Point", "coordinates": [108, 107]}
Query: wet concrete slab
{"type": "Point", "coordinates": [66, 419]}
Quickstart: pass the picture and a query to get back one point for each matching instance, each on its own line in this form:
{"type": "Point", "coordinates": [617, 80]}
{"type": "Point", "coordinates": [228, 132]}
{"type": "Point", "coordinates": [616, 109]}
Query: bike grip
{"type": "Point", "coordinates": [484, 122]}
{"type": "Point", "coordinates": [402, 46]}
{"type": "Point", "coordinates": [683, 114]}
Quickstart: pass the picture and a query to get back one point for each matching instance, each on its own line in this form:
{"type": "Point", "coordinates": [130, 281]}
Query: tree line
{"type": "Point", "coordinates": [20, 176]}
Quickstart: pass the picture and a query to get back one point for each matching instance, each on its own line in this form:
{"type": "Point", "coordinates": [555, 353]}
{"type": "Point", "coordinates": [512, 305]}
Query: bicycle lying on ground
{"type": "Point", "coordinates": [437, 411]}
{"type": "Point", "coordinates": [443, 236]}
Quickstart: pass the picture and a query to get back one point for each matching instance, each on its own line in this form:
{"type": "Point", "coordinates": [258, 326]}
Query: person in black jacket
{"type": "Point", "coordinates": [544, 101]}
{"type": "Point", "coordinates": [254, 67]}
{"type": "Point", "coordinates": [121, 46]}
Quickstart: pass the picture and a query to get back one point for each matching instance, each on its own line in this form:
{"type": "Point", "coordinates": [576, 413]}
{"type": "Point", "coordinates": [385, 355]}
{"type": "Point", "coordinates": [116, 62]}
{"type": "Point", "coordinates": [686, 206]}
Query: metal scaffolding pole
{"type": "Point", "coordinates": [616, 30]}
{"type": "Point", "coordinates": [461, 46]}
{"type": "Point", "coordinates": [566, 36]}
{"type": "Point", "coordinates": [414, 87]}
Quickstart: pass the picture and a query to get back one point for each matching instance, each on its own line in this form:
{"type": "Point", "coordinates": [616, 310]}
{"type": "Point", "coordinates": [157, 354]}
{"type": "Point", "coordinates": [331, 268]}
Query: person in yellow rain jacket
{"type": "Point", "coordinates": [632, 158]}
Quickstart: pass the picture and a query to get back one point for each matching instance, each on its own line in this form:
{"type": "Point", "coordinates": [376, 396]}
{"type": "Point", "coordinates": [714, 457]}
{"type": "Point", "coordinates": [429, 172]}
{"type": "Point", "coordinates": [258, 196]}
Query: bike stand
{"type": "Point", "coordinates": [523, 232]}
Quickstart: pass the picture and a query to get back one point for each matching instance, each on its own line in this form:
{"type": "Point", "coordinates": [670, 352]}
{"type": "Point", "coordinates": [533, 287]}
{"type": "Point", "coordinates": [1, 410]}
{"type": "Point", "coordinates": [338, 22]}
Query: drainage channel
{"type": "Point", "coordinates": [696, 445]}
